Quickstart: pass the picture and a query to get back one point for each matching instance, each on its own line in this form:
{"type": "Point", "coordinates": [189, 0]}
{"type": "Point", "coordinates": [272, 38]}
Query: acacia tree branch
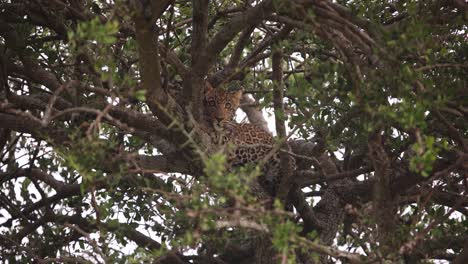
{"type": "Point", "coordinates": [307, 149]}
{"type": "Point", "coordinates": [36, 174]}
{"type": "Point", "coordinates": [35, 73]}
{"type": "Point", "coordinates": [282, 34]}
{"type": "Point", "coordinates": [330, 251]}
{"type": "Point", "coordinates": [452, 131]}
{"type": "Point", "coordinates": [384, 206]}
{"type": "Point", "coordinates": [248, 18]}
{"type": "Point", "coordinates": [308, 175]}
{"type": "Point", "coordinates": [255, 55]}
{"type": "Point", "coordinates": [198, 51]}
{"type": "Point", "coordinates": [150, 67]}
{"type": "Point", "coordinates": [286, 162]}
{"type": "Point", "coordinates": [141, 123]}
{"type": "Point", "coordinates": [74, 189]}
{"type": "Point", "coordinates": [254, 114]}
{"type": "Point", "coordinates": [445, 198]}
{"type": "Point", "coordinates": [194, 83]}
{"type": "Point", "coordinates": [172, 59]}
{"type": "Point", "coordinates": [125, 229]}
{"type": "Point", "coordinates": [26, 124]}
{"type": "Point", "coordinates": [86, 225]}
{"type": "Point", "coordinates": [158, 7]}
{"type": "Point", "coordinates": [328, 214]}
{"type": "Point", "coordinates": [243, 40]}
{"type": "Point", "coordinates": [305, 210]}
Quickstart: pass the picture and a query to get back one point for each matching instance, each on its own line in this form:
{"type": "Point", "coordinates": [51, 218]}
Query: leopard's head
{"type": "Point", "coordinates": [221, 105]}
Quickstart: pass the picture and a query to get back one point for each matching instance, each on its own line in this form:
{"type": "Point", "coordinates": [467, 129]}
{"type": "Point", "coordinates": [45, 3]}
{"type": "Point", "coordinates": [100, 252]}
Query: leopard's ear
{"type": "Point", "coordinates": [238, 93]}
{"type": "Point", "coordinates": [208, 87]}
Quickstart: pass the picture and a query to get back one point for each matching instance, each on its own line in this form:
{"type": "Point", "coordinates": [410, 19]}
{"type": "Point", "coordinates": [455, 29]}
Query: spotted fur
{"type": "Point", "coordinates": [252, 144]}
{"type": "Point", "coordinates": [221, 105]}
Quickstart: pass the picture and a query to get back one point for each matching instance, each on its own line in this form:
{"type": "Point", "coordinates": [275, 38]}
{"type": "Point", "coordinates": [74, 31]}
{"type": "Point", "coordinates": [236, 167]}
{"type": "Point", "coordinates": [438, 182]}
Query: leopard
{"type": "Point", "coordinates": [251, 143]}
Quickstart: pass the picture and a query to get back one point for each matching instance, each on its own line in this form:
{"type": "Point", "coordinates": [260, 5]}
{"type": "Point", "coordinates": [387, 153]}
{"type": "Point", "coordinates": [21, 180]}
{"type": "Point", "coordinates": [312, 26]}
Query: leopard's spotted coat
{"type": "Point", "coordinates": [252, 144]}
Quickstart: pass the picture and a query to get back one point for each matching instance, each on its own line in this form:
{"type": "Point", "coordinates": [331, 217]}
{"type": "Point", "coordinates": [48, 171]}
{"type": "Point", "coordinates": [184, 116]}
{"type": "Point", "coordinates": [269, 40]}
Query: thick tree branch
{"type": "Point", "coordinates": [198, 51]}
{"type": "Point", "coordinates": [243, 40]}
{"type": "Point", "coordinates": [26, 124]}
{"type": "Point", "coordinates": [134, 119]}
{"type": "Point", "coordinates": [36, 174]}
{"type": "Point", "coordinates": [194, 81]}
{"type": "Point", "coordinates": [286, 162]}
{"type": "Point", "coordinates": [150, 67]}
{"type": "Point", "coordinates": [172, 59]}
{"type": "Point", "coordinates": [384, 205]}
{"type": "Point", "coordinates": [254, 114]}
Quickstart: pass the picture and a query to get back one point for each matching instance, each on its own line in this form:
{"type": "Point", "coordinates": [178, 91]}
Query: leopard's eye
{"type": "Point", "coordinates": [228, 105]}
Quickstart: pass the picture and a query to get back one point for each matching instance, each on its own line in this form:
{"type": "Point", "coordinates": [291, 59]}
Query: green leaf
{"type": "Point", "coordinates": [141, 95]}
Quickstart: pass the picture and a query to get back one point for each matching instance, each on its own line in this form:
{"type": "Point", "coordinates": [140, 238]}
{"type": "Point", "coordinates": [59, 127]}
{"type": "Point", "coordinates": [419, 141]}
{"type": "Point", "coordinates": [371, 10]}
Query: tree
{"type": "Point", "coordinates": [106, 154]}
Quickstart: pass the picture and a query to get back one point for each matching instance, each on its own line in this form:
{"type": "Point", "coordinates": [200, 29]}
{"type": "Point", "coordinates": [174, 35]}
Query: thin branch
{"type": "Point", "coordinates": [91, 241]}
{"type": "Point", "coordinates": [243, 40]}
{"type": "Point", "coordinates": [441, 65]}
{"type": "Point", "coordinates": [330, 178]}
{"type": "Point", "coordinates": [248, 18]}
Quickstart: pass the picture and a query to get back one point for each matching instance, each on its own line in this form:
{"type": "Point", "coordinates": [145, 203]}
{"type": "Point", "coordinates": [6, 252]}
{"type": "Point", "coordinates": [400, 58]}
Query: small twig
{"type": "Point", "coordinates": [441, 65]}
{"type": "Point", "coordinates": [410, 245]}
{"type": "Point", "coordinates": [48, 112]}
{"type": "Point", "coordinates": [96, 123]}
{"type": "Point", "coordinates": [95, 206]}
{"type": "Point", "coordinates": [91, 241]}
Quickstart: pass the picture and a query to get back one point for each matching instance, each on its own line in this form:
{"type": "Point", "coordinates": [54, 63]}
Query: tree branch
{"type": "Point", "coordinates": [248, 18]}
{"type": "Point", "coordinates": [286, 161]}
{"type": "Point", "coordinates": [253, 113]}
{"type": "Point", "coordinates": [194, 82]}
{"type": "Point", "coordinates": [150, 67]}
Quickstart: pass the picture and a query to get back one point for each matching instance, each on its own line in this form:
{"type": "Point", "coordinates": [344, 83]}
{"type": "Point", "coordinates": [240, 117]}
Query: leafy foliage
{"type": "Point", "coordinates": [104, 156]}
